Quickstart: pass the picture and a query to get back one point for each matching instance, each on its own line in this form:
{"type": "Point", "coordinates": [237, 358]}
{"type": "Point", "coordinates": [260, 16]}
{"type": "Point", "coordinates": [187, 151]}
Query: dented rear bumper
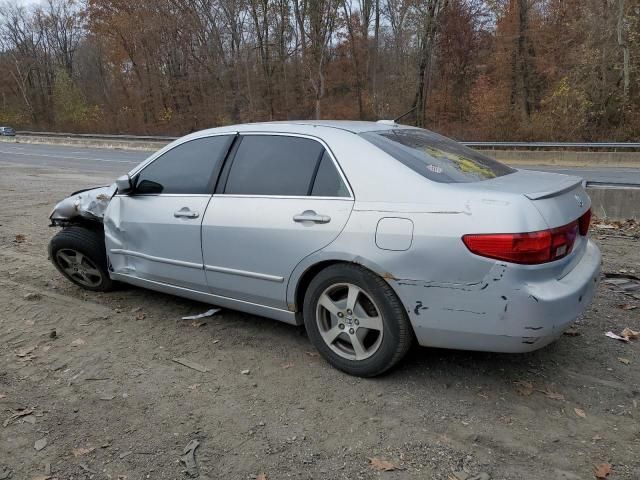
{"type": "Point", "coordinates": [510, 310]}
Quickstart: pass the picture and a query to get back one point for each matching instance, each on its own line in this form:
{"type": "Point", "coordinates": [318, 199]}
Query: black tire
{"type": "Point", "coordinates": [88, 243]}
{"type": "Point", "coordinates": [396, 336]}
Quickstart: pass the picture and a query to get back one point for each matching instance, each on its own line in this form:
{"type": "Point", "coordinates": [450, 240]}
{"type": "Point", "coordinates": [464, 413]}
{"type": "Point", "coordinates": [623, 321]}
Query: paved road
{"type": "Point", "coordinates": [81, 159]}
{"type": "Point", "coordinates": [118, 162]}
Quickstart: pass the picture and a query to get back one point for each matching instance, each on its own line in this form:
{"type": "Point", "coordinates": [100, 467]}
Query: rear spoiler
{"type": "Point", "coordinates": [555, 190]}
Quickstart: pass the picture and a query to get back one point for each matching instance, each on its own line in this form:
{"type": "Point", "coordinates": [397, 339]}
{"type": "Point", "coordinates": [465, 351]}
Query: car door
{"type": "Point", "coordinates": [280, 198]}
{"type": "Point", "coordinates": [154, 232]}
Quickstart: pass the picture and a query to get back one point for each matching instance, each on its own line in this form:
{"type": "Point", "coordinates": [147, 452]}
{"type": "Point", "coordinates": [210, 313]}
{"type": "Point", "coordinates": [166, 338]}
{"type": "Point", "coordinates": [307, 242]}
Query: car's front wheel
{"type": "Point", "coordinates": [356, 320]}
{"type": "Point", "coordinates": [79, 254]}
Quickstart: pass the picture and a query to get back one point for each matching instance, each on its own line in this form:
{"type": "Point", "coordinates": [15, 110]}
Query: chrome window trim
{"type": "Point", "coordinates": [275, 197]}
{"type": "Point", "coordinates": [183, 195]}
{"type": "Point", "coordinates": [245, 273]}
{"type": "Point", "coordinates": [326, 147]}
{"type": "Point", "coordinates": [137, 169]}
{"type": "Point", "coordinates": [168, 261]}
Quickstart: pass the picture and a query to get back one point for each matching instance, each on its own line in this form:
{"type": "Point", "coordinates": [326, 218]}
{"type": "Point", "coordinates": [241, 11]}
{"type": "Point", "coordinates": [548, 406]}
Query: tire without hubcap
{"type": "Point", "coordinates": [356, 320]}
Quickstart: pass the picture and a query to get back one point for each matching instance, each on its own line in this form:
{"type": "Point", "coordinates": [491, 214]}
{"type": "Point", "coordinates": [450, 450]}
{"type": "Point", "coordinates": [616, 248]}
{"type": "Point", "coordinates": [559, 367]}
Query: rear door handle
{"type": "Point", "coordinates": [184, 212]}
{"type": "Point", "coordinates": [311, 216]}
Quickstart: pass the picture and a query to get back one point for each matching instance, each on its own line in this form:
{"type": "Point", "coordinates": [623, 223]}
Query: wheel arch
{"type": "Point", "coordinates": [93, 225]}
{"type": "Point", "coordinates": [307, 270]}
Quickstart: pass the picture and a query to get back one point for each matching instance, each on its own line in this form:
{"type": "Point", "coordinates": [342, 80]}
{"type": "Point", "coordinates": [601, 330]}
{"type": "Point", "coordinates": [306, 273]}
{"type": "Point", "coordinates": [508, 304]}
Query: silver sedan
{"type": "Point", "coordinates": [372, 235]}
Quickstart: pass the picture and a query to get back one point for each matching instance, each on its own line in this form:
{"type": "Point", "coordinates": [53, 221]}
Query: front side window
{"type": "Point", "coordinates": [436, 157]}
{"type": "Point", "coordinates": [274, 165]}
{"type": "Point", "coordinates": [185, 169]}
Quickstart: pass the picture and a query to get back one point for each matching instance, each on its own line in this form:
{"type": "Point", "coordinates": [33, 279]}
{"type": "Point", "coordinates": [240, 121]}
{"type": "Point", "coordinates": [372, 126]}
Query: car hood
{"type": "Point", "coordinates": [90, 204]}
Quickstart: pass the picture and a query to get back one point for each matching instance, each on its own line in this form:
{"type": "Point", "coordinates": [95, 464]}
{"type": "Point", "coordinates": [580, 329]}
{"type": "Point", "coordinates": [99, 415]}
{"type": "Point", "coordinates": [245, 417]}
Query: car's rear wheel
{"type": "Point", "coordinates": [356, 320]}
{"type": "Point", "coordinates": [79, 254]}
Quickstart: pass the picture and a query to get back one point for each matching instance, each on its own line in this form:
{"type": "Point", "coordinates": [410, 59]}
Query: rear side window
{"type": "Point", "coordinates": [274, 165]}
{"type": "Point", "coordinates": [187, 168]}
{"type": "Point", "coordinates": [328, 182]}
{"type": "Point", "coordinates": [436, 157]}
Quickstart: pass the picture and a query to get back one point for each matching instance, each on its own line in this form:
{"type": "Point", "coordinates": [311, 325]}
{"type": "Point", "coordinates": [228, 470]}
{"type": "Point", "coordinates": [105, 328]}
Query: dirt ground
{"type": "Point", "coordinates": [110, 403]}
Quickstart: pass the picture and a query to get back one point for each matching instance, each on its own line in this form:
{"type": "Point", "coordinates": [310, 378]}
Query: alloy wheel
{"type": "Point", "coordinates": [80, 268]}
{"type": "Point", "coordinates": [349, 321]}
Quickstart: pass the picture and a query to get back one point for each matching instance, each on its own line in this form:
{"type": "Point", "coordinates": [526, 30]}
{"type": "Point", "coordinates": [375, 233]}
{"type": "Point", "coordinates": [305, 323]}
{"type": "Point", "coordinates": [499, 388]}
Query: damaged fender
{"type": "Point", "coordinates": [87, 204]}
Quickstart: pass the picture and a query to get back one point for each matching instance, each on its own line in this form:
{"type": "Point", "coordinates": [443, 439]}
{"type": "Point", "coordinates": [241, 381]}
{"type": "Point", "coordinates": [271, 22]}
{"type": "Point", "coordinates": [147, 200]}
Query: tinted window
{"type": "Point", "coordinates": [436, 157]}
{"type": "Point", "coordinates": [328, 182]}
{"type": "Point", "coordinates": [273, 165]}
{"type": "Point", "coordinates": [187, 168]}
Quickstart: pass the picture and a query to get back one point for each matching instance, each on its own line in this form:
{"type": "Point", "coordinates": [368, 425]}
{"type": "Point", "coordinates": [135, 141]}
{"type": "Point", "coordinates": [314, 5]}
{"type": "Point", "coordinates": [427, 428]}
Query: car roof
{"type": "Point", "coordinates": [354, 126]}
{"type": "Point", "coordinates": [303, 126]}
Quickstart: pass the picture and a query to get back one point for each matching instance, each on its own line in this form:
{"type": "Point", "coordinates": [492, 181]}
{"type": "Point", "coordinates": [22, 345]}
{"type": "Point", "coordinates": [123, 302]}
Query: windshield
{"type": "Point", "coordinates": [436, 157]}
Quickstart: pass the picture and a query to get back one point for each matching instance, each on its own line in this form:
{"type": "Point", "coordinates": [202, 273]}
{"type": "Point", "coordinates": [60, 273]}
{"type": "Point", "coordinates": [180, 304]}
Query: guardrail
{"type": "Point", "coordinates": [608, 146]}
{"type": "Point", "coordinates": [601, 146]}
{"type": "Point", "coordinates": [98, 136]}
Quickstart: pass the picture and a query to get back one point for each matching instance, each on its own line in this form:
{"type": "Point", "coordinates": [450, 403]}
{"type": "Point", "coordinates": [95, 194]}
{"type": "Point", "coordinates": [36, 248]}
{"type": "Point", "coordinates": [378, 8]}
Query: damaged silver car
{"type": "Point", "coordinates": [372, 235]}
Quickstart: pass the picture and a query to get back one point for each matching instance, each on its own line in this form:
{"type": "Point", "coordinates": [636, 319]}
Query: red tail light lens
{"type": "Point", "coordinates": [525, 248]}
{"type": "Point", "coordinates": [584, 221]}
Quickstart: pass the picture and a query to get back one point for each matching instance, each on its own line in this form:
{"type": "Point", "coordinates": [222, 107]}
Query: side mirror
{"type": "Point", "coordinates": [124, 184]}
{"type": "Point", "coordinates": [148, 186]}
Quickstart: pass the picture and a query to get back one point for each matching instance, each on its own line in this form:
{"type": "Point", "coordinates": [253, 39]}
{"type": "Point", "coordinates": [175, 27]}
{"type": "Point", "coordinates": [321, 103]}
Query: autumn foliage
{"type": "Point", "coordinates": [473, 69]}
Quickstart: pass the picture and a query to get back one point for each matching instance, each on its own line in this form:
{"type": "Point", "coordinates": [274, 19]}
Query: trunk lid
{"type": "Point", "coordinates": [560, 199]}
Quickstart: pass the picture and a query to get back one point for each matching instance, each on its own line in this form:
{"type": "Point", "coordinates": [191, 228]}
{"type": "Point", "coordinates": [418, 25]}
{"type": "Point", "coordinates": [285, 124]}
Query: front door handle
{"type": "Point", "coordinates": [184, 212]}
{"type": "Point", "coordinates": [311, 216]}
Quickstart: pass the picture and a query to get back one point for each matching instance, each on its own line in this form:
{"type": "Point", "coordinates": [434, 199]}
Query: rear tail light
{"type": "Point", "coordinates": [529, 248]}
{"type": "Point", "coordinates": [584, 221]}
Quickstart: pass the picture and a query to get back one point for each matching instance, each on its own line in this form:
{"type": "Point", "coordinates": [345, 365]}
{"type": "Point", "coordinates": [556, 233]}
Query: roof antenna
{"type": "Point", "coordinates": [405, 114]}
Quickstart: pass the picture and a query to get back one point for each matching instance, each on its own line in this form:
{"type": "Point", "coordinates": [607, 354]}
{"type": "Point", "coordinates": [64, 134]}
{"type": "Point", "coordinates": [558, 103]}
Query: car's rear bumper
{"type": "Point", "coordinates": [507, 312]}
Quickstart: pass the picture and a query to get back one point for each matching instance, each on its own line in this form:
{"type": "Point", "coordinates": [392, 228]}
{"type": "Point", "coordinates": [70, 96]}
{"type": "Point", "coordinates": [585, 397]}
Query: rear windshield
{"type": "Point", "coordinates": [436, 157]}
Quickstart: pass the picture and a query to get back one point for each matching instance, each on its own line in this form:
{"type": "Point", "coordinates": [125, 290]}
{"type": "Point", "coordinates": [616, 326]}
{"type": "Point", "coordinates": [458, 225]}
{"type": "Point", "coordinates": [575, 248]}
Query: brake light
{"type": "Point", "coordinates": [525, 248]}
{"type": "Point", "coordinates": [584, 221]}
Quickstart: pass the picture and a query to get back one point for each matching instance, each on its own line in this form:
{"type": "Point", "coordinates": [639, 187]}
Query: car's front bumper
{"type": "Point", "coordinates": [506, 312]}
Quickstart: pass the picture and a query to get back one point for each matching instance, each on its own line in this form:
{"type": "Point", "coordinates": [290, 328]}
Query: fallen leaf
{"type": "Point", "coordinates": [381, 465]}
{"type": "Point", "coordinates": [626, 306]}
{"type": "Point", "coordinates": [23, 352]}
{"type": "Point", "coordinates": [312, 354]}
{"type": "Point", "coordinates": [602, 470]}
{"type": "Point", "coordinates": [630, 334]}
{"type": "Point", "coordinates": [626, 361]}
{"type": "Point", "coordinates": [580, 412]}
{"type": "Point", "coordinates": [78, 452]}
{"type": "Point", "coordinates": [141, 316]}
{"type": "Point", "coordinates": [21, 413]}
{"type": "Point", "coordinates": [552, 395]}
{"type": "Point", "coordinates": [262, 476]}
{"type": "Point", "coordinates": [198, 324]}
{"type": "Point", "coordinates": [572, 332]}
{"type": "Point", "coordinates": [78, 341]}
{"type": "Point", "coordinates": [40, 444]}
{"type": "Point", "coordinates": [287, 365]}
{"type": "Point", "coordinates": [524, 388]}
{"type": "Point", "coordinates": [20, 238]}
